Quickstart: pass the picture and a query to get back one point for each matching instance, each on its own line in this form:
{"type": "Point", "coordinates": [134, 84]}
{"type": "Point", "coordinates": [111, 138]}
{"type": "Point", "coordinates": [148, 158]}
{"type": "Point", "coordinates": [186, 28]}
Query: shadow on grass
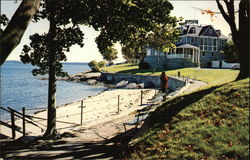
{"type": "Point", "coordinates": [169, 109]}
{"type": "Point", "coordinates": [47, 149]}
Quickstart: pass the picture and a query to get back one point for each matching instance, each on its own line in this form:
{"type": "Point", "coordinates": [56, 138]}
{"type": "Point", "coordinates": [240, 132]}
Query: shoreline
{"type": "Point", "coordinates": [99, 108]}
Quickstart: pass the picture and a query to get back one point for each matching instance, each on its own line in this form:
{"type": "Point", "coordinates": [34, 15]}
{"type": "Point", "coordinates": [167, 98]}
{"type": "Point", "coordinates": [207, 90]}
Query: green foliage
{"type": "Point", "coordinates": [133, 53]}
{"type": "Point", "coordinates": [110, 54]}
{"type": "Point", "coordinates": [102, 64]}
{"type": "Point", "coordinates": [230, 52]}
{"type": "Point", "coordinates": [96, 66]}
{"type": "Point", "coordinates": [128, 54]}
{"type": "Point", "coordinates": [64, 36]}
{"type": "Point", "coordinates": [4, 21]}
{"type": "Point", "coordinates": [209, 124]}
{"type": "Point", "coordinates": [93, 65]}
{"type": "Point", "coordinates": [130, 22]}
{"type": "Point", "coordinates": [144, 65]}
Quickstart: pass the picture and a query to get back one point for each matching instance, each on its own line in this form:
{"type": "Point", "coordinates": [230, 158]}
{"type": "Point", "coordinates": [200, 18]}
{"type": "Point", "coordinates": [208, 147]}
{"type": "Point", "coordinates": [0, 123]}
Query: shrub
{"type": "Point", "coordinates": [144, 65]}
{"type": "Point", "coordinates": [102, 64]}
{"type": "Point", "coordinates": [93, 65]}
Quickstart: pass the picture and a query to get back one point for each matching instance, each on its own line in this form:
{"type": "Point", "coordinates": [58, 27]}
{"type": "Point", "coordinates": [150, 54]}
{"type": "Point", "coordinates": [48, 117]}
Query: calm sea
{"type": "Point", "coordinates": [19, 88]}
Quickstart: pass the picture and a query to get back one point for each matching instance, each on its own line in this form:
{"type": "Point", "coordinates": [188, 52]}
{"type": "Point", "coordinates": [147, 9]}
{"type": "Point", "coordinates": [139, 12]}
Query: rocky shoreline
{"type": "Point", "coordinates": [94, 78]}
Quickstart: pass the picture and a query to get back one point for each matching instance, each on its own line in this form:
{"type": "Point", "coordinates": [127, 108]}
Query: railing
{"type": "Point", "coordinates": [30, 119]}
{"type": "Point", "coordinates": [172, 56]}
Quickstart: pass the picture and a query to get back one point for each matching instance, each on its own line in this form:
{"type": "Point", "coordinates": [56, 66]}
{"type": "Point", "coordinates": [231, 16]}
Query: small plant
{"type": "Point", "coordinates": [102, 64]}
{"type": "Point", "coordinates": [93, 65]}
{"type": "Point", "coordinates": [96, 66]}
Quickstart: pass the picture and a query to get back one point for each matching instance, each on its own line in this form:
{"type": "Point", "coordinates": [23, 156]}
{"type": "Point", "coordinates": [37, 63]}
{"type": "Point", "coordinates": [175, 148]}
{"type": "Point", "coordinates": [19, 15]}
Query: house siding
{"type": "Point", "coordinates": [208, 40]}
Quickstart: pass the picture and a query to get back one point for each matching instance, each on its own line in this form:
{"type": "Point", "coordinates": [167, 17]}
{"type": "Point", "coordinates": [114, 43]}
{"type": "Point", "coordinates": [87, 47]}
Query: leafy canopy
{"type": "Point", "coordinates": [110, 54]}
{"type": "Point", "coordinates": [4, 21]}
{"type": "Point", "coordinates": [67, 34]}
{"type": "Point", "coordinates": [130, 22]}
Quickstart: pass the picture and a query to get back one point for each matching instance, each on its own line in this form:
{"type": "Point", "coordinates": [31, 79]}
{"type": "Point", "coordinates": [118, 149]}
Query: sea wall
{"type": "Point", "coordinates": [149, 81]}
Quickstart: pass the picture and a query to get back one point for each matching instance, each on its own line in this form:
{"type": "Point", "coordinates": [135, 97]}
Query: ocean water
{"type": "Point", "coordinates": [19, 88]}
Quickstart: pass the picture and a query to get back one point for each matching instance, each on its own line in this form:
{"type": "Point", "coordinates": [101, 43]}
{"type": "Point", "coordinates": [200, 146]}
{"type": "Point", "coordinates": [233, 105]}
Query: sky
{"type": "Point", "coordinates": [182, 8]}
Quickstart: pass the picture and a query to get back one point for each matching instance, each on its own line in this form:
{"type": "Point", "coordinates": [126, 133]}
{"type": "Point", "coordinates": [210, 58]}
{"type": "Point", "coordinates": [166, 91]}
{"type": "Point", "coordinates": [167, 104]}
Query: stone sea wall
{"type": "Point", "coordinates": [149, 81]}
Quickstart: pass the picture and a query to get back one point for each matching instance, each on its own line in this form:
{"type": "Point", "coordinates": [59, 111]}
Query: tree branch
{"type": "Point", "coordinates": [230, 19]}
{"type": "Point", "coordinates": [225, 16]}
{"type": "Point", "coordinates": [13, 33]}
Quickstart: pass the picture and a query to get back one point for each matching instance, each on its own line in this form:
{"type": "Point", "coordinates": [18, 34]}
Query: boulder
{"type": "Point", "coordinates": [91, 81]}
{"type": "Point", "coordinates": [121, 84]}
{"type": "Point", "coordinates": [131, 86]}
{"type": "Point", "coordinates": [149, 85]}
{"type": "Point", "coordinates": [141, 85]}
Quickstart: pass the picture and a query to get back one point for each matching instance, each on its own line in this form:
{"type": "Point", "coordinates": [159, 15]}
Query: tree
{"type": "Point", "coordinates": [240, 36]}
{"type": "Point", "coordinates": [47, 50]}
{"type": "Point", "coordinates": [13, 33]}
{"type": "Point", "coordinates": [3, 21]}
{"type": "Point", "coordinates": [133, 53]}
{"type": "Point", "coordinates": [128, 54]}
{"type": "Point", "coordinates": [117, 20]}
{"type": "Point", "coordinates": [230, 52]}
{"type": "Point", "coordinates": [110, 54]}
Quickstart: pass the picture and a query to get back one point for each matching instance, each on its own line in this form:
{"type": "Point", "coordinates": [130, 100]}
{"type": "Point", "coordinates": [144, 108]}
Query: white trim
{"type": "Point", "coordinates": [210, 26]}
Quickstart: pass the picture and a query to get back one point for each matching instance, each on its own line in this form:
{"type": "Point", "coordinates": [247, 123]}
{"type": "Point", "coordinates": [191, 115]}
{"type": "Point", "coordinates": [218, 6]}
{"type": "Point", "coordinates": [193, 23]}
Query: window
{"type": "Point", "coordinates": [205, 48]}
{"type": "Point", "coordinates": [205, 41]}
{"type": "Point", "coordinates": [210, 48]}
{"type": "Point", "coordinates": [192, 39]}
{"type": "Point", "coordinates": [152, 52]}
{"type": "Point", "coordinates": [192, 30]}
{"type": "Point", "coordinates": [182, 39]}
{"type": "Point", "coordinates": [214, 48]}
{"type": "Point", "coordinates": [214, 42]}
{"type": "Point", "coordinates": [209, 41]}
{"type": "Point", "coordinates": [210, 31]}
{"type": "Point", "coordinates": [195, 40]}
{"type": "Point", "coordinates": [212, 54]}
{"type": "Point", "coordinates": [202, 41]}
{"type": "Point", "coordinates": [203, 54]}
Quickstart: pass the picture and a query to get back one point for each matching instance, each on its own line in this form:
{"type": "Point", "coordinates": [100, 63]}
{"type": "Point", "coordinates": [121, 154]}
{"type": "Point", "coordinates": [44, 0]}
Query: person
{"type": "Point", "coordinates": [164, 82]}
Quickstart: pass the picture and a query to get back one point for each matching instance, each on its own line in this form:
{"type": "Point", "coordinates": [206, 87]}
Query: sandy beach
{"type": "Point", "coordinates": [97, 110]}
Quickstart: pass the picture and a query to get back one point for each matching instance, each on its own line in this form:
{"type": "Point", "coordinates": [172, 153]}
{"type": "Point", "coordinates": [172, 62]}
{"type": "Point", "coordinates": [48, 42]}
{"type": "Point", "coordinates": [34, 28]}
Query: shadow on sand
{"type": "Point", "coordinates": [113, 148]}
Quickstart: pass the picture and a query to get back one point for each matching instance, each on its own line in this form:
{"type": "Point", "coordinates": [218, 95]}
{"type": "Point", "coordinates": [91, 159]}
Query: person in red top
{"type": "Point", "coordinates": [164, 82]}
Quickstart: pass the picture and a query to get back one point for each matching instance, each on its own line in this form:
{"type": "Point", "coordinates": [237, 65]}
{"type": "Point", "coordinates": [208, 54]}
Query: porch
{"type": "Point", "coordinates": [185, 51]}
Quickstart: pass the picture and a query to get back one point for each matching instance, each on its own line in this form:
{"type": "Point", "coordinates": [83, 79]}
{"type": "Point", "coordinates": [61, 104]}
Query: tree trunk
{"type": "Point", "coordinates": [51, 120]}
{"type": "Point", "coordinates": [240, 37]}
{"type": "Point", "coordinates": [243, 49]}
{"type": "Point", "coordinates": [14, 31]}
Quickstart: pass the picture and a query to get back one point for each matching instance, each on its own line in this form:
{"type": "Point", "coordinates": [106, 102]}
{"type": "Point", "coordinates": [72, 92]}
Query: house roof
{"type": "Point", "coordinates": [201, 30]}
{"type": "Point", "coordinates": [186, 45]}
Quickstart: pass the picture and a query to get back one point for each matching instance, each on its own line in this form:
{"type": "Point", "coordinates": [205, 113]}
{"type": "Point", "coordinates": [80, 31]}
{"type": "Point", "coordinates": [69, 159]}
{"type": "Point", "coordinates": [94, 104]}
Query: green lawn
{"type": "Point", "coordinates": [212, 123]}
{"type": "Point", "coordinates": [213, 77]}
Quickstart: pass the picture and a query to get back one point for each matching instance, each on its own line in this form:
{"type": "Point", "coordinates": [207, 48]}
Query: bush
{"type": "Point", "coordinates": [102, 64]}
{"type": "Point", "coordinates": [144, 65]}
{"type": "Point", "coordinates": [93, 65]}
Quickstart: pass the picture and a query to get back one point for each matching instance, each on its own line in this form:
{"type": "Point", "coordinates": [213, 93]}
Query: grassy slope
{"type": "Point", "coordinates": [213, 77]}
{"type": "Point", "coordinates": [209, 124]}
